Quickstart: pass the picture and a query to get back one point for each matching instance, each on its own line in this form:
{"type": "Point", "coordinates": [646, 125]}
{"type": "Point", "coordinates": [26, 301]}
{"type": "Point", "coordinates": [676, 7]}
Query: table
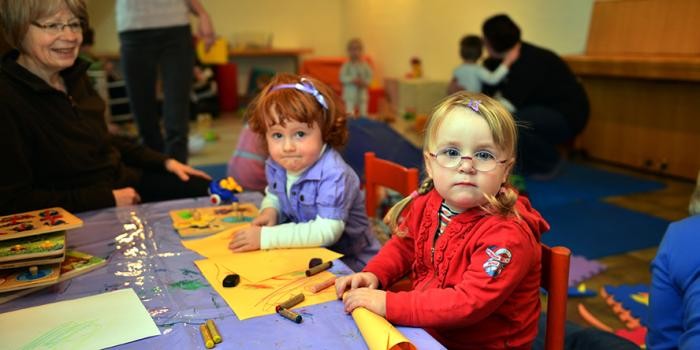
{"type": "Point", "coordinates": [144, 253]}
{"type": "Point", "coordinates": [419, 96]}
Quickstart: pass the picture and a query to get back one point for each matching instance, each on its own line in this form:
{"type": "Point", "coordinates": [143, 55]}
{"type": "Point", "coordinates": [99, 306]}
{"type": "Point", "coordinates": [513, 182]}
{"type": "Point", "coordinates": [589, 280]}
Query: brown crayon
{"type": "Point", "coordinates": [206, 336]}
{"type": "Point", "coordinates": [290, 315]}
{"type": "Point", "coordinates": [215, 335]}
{"type": "Point", "coordinates": [323, 285]}
{"type": "Point", "coordinates": [318, 268]}
{"type": "Point", "coordinates": [290, 302]}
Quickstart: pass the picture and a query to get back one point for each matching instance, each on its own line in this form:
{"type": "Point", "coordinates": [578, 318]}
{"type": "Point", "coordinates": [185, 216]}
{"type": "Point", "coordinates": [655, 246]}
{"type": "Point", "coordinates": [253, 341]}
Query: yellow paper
{"type": "Point", "coordinates": [217, 54]}
{"type": "Point", "coordinates": [257, 265]}
{"type": "Point", "coordinates": [379, 334]}
{"type": "Point", "coordinates": [250, 299]}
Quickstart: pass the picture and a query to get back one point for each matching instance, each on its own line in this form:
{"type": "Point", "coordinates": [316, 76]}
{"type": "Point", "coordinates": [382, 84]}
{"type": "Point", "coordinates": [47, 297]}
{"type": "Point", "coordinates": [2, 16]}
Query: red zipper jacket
{"type": "Point", "coordinates": [479, 288]}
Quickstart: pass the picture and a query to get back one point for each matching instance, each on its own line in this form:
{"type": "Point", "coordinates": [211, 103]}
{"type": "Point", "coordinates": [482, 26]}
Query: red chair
{"type": "Point", "coordinates": [380, 172]}
{"type": "Point", "coordinates": [555, 280]}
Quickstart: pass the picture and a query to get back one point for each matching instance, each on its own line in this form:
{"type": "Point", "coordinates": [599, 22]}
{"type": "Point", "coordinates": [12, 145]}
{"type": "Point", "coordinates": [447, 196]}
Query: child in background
{"type": "Point", "coordinates": [313, 197]}
{"type": "Point", "coordinates": [470, 243]}
{"type": "Point", "coordinates": [470, 75]}
{"type": "Point", "coordinates": [247, 164]}
{"type": "Point", "coordinates": [355, 75]}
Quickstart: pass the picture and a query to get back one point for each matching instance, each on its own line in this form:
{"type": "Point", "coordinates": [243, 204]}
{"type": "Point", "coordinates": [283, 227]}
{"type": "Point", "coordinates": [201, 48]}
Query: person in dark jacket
{"type": "Point", "coordinates": [551, 106]}
{"type": "Point", "coordinates": [56, 148]}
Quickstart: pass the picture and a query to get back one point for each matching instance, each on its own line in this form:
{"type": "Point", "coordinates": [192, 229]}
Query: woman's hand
{"type": "Point", "coordinates": [268, 217]}
{"type": "Point", "coordinates": [126, 196]}
{"type": "Point", "coordinates": [183, 171]}
{"type": "Point", "coordinates": [371, 299]}
{"type": "Point", "coordinates": [356, 280]}
{"type": "Point", "coordinates": [246, 239]}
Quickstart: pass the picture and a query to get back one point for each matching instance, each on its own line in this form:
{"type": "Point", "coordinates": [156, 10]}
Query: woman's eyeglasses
{"type": "Point", "coordinates": [481, 161]}
{"type": "Point", "coordinates": [57, 28]}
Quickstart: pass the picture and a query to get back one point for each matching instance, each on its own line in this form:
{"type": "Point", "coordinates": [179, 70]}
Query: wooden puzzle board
{"type": "Point", "coordinates": [22, 278]}
{"type": "Point", "coordinates": [37, 222]}
{"type": "Point", "coordinates": [42, 246]}
{"type": "Point", "coordinates": [193, 222]}
{"type": "Point", "coordinates": [75, 264]}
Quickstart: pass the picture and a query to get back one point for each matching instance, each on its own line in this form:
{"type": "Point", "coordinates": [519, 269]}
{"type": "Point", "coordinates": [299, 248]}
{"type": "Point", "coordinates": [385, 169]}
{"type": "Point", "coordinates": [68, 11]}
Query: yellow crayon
{"type": "Point", "coordinates": [214, 331]}
{"type": "Point", "coordinates": [206, 336]}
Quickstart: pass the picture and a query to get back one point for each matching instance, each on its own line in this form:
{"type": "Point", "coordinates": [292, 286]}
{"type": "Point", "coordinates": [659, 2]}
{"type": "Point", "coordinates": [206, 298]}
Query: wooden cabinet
{"type": "Point", "coordinates": [641, 71]}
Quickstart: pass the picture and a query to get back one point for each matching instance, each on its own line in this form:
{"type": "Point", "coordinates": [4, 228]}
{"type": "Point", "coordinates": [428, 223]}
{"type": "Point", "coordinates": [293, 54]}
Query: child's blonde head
{"type": "Point", "coordinates": [505, 136]}
{"type": "Point", "coordinates": [301, 106]}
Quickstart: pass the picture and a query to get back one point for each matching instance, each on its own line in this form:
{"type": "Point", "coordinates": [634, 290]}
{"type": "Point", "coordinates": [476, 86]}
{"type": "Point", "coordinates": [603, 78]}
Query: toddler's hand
{"type": "Point", "coordinates": [371, 299]}
{"type": "Point", "coordinates": [268, 217]}
{"type": "Point", "coordinates": [246, 239]}
{"type": "Point", "coordinates": [356, 280]}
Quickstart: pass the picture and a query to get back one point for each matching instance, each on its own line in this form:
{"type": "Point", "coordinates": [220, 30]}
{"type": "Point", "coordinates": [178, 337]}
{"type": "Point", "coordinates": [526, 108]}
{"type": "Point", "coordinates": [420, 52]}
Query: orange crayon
{"type": "Point", "coordinates": [323, 285]}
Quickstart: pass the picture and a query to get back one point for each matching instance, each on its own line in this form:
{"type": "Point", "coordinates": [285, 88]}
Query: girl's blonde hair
{"type": "Point", "coordinates": [294, 104]}
{"type": "Point", "coordinates": [505, 135]}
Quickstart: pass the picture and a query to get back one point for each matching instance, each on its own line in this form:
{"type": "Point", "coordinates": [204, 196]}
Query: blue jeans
{"type": "Point", "coordinates": [145, 54]}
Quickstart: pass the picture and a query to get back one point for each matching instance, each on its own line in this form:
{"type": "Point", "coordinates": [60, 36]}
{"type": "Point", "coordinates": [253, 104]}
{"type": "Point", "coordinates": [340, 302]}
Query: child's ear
{"type": "Point", "coordinates": [428, 164]}
{"type": "Point", "coordinates": [509, 168]}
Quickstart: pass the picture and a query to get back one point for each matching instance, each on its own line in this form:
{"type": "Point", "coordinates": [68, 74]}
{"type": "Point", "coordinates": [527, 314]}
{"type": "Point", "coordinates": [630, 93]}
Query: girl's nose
{"type": "Point", "coordinates": [466, 166]}
{"type": "Point", "coordinates": [288, 145]}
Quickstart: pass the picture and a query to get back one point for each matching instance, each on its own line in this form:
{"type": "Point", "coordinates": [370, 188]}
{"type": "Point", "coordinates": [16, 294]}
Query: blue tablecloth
{"type": "Point", "coordinates": [144, 253]}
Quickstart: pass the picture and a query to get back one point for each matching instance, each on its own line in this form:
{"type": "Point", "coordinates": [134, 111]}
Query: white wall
{"type": "Point", "coordinates": [393, 30]}
{"type": "Point", "coordinates": [396, 30]}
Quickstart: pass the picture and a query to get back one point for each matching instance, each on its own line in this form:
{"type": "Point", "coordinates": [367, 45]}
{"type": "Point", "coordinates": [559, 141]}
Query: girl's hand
{"type": "Point", "coordinates": [371, 299]}
{"type": "Point", "coordinates": [268, 217]}
{"type": "Point", "coordinates": [126, 196]}
{"type": "Point", "coordinates": [183, 171]}
{"type": "Point", "coordinates": [356, 280]}
{"type": "Point", "coordinates": [246, 239]}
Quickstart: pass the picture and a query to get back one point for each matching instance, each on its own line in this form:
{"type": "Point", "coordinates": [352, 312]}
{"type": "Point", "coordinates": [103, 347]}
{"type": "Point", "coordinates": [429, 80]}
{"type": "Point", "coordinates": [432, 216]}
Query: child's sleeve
{"type": "Point", "coordinates": [315, 233]}
{"type": "Point", "coordinates": [270, 200]}
{"type": "Point", "coordinates": [504, 256]}
{"type": "Point", "coordinates": [346, 76]}
{"type": "Point", "coordinates": [666, 306]}
{"type": "Point", "coordinates": [495, 77]}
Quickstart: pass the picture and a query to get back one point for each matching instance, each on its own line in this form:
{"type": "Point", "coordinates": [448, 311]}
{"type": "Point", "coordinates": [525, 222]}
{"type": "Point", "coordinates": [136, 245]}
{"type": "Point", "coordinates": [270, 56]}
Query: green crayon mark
{"type": "Point", "coordinates": [188, 284]}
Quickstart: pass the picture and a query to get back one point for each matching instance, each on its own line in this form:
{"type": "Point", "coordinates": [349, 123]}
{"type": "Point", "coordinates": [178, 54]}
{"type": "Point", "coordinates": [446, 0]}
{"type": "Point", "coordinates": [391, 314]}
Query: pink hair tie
{"type": "Point", "coordinates": [414, 194]}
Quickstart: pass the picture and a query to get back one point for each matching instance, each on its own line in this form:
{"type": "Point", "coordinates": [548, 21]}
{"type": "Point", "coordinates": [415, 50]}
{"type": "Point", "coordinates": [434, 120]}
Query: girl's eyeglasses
{"type": "Point", "coordinates": [452, 158]}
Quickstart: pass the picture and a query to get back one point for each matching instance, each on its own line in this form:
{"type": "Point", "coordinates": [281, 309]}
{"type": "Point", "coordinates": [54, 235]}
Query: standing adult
{"type": "Point", "coordinates": [551, 105]}
{"type": "Point", "coordinates": [56, 148]}
{"type": "Point", "coordinates": [155, 38]}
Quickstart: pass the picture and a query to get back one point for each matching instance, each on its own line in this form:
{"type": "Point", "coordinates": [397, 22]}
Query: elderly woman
{"type": "Point", "coordinates": [56, 148]}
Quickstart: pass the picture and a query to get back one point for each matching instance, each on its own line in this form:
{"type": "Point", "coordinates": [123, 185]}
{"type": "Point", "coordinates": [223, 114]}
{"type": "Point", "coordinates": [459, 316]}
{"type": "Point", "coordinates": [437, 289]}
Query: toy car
{"type": "Point", "coordinates": [224, 191]}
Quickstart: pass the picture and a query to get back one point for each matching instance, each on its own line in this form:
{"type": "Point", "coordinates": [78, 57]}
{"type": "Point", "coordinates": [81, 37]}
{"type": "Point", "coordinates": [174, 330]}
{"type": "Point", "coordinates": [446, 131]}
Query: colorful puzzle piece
{"type": "Point", "coordinates": [193, 222]}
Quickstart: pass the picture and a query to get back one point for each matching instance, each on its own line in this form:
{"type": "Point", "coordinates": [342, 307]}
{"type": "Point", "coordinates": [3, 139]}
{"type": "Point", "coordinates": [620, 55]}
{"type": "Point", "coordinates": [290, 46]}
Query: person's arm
{"type": "Point", "coordinates": [468, 300]}
{"type": "Point", "coordinates": [346, 76]}
{"type": "Point", "coordinates": [19, 191]}
{"type": "Point", "coordinates": [495, 77]}
{"type": "Point", "coordinates": [205, 27]}
{"type": "Point", "coordinates": [665, 322]}
{"type": "Point", "coordinates": [319, 232]}
{"type": "Point", "coordinates": [136, 155]}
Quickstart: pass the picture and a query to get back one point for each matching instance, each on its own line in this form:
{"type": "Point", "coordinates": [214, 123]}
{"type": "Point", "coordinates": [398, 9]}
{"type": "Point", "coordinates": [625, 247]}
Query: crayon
{"type": "Point", "coordinates": [206, 337]}
{"type": "Point", "coordinates": [323, 285]}
{"type": "Point", "coordinates": [290, 302]}
{"type": "Point", "coordinates": [214, 331]}
{"type": "Point", "coordinates": [290, 315]}
{"type": "Point", "coordinates": [318, 268]}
